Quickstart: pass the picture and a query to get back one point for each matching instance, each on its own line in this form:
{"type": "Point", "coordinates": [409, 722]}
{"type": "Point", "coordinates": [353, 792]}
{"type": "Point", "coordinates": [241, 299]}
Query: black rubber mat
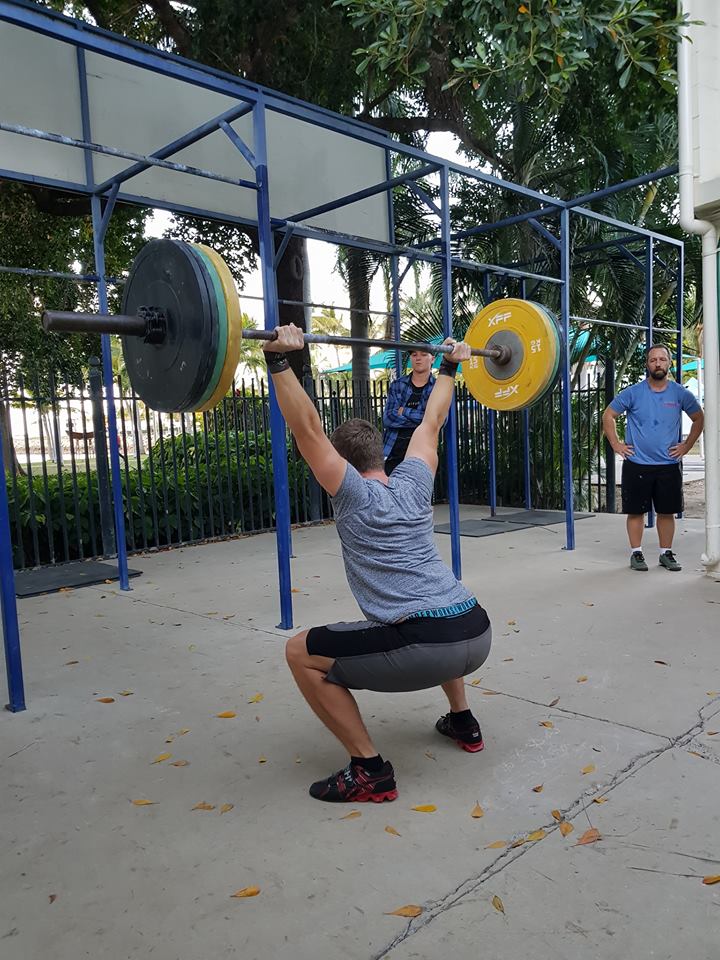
{"type": "Point", "coordinates": [480, 528]}
{"type": "Point", "coordinates": [535, 518]}
{"type": "Point", "coordinates": [80, 573]}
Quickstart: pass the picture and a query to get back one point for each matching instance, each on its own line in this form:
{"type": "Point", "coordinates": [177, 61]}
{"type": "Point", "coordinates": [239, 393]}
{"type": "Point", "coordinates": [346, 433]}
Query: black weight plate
{"type": "Point", "coordinates": [171, 375]}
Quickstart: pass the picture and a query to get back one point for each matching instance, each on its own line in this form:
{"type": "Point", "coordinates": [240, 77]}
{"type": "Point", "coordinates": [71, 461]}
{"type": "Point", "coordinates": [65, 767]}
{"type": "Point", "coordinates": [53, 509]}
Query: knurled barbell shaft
{"type": "Point", "coordinates": [127, 326]}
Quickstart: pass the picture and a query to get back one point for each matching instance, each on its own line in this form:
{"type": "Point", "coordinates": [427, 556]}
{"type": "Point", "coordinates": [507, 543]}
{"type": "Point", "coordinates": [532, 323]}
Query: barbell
{"type": "Point", "coordinates": [181, 331]}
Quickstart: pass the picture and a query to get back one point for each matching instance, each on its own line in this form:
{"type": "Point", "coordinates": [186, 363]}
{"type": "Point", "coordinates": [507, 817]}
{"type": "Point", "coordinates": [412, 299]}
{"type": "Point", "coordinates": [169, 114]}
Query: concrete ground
{"type": "Point", "coordinates": [602, 685]}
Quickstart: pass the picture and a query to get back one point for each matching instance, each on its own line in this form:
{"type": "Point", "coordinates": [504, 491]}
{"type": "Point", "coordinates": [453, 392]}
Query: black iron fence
{"type": "Point", "coordinates": [193, 477]}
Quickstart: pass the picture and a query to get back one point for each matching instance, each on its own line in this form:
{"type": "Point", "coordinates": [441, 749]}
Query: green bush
{"type": "Point", "coordinates": [188, 488]}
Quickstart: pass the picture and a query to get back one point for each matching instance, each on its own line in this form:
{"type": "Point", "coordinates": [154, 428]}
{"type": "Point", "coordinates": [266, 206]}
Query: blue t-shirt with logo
{"type": "Point", "coordinates": [653, 419]}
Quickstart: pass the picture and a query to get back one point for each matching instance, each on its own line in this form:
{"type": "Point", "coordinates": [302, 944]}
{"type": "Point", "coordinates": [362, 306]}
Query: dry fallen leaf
{"type": "Point", "coordinates": [204, 806]}
{"type": "Point", "coordinates": [708, 881]}
{"type": "Point", "coordinates": [600, 799]}
{"type": "Point", "coordinates": [590, 836]}
{"type": "Point", "coordinates": [106, 699]}
{"type": "Point", "coordinates": [512, 623]}
{"type": "Point", "coordinates": [411, 910]}
{"type": "Point", "coordinates": [257, 698]}
{"type": "Point", "coordinates": [143, 803]}
{"type": "Point", "coordinates": [696, 754]}
{"type": "Point", "coordinates": [588, 603]}
{"type": "Point", "coordinates": [498, 904]}
{"type": "Point", "coordinates": [477, 812]}
{"type": "Point", "coordinates": [262, 759]}
{"type": "Point", "coordinates": [229, 616]}
{"type": "Point", "coordinates": [556, 815]}
{"type": "Point", "coordinates": [508, 659]}
{"type": "Point", "coordinates": [226, 808]}
{"type": "Point", "coordinates": [226, 715]}
{"type": "Point", "coordinates": [475, 683]}
{"type": "Point", "coordinates": [169, 739]}
{"type": "Point", "coordinates": [72, 663]}
{"type": "Point", "coordinates": [538, 788]}
{"type": "Point", "coordinates": [712, 733]}
{"type": "Point", "coordinates": [713, 693]}
{"type": "Point", "coordinates": [555, 702]}
{"type": "Point", "coordinates": [181, 733]}
{"type": "Point", "coordinates": [245, 892]}
{"type": "Point", "coordinates": [491, 693]}
{"type": "Point", "coordinates": [535, 835]}
{"type": "Point", "coordinates": [180, 763]}
{"type": "Point", "coordinates": [52, 897]}
{"type": "Point", "coordinates": [429, 754]}
{"type": "Point", "coordinates": [161, 758]}
{"type": "Point", "coordinates": [663, 663]}
{"type": "Point", "coordinates": [353, 815]}
{"type": "Point", "coordinates": [295, 590]}
{"type": "Point", "coordinates": [392, 831]}
{"type": "Point", "coordinates": [425, 808]}
{"type": "Point", "coordinates": [566, 828]}
{"type": "Point", "coordinates": [548, 724]}
{"type": "Point", "coordinates": [590, 768]}
{"type": "Point", "coordinates": [581, 679]}
{"type": "Point", "coordinates": [125, 693]}
{"type": "Point", "coordinates": [497, 845]}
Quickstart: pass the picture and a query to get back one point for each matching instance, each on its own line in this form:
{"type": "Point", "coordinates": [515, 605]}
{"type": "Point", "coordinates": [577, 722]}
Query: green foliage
{"type": "Point", "coordinates": [533, 46]}
{"type": "Point", "coordinates": [189, 488]}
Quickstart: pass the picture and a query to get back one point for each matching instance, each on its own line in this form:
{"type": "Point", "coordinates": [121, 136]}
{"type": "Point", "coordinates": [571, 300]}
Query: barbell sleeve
{"type": "Point", "coordinates": [67, 321]}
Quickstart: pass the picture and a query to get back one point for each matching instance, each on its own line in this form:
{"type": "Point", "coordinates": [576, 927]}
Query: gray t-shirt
{"type": "Point", "coordinates": [392, 564]}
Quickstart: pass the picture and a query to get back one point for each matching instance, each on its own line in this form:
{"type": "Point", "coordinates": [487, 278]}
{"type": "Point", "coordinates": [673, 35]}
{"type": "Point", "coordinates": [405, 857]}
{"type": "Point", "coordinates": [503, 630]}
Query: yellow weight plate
{"type": "Point", "coordinates": [234, 338]}
{"type": "Point", "coordinates": [553, 353]}
{"type": "Point", "coordinates": [533, 341]}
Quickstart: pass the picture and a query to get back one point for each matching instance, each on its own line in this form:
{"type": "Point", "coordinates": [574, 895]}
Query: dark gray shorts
{"type": "Point", "coordinates": [397, 657]}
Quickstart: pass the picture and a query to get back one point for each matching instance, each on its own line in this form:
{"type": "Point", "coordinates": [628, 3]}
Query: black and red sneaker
{"type": "Point", "coordinates": [355, 784]}
{"type": "Point", "coordinates": [469, 738]}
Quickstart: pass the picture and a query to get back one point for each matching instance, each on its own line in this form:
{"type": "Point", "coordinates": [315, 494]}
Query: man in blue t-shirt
{"type": "Point", "coordinates": [651, 473]}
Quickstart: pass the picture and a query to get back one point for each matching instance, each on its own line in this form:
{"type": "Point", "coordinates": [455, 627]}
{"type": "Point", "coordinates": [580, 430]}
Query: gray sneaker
{"type": "Point", "coordinates": [637, 560]}
{"type": "Point", "coordinates": [668, 560]}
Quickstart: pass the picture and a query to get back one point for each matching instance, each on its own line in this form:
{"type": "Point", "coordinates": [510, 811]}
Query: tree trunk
{"type": "Point", "coordinates": [359, 293]}
{"type": "Point", "coordinates": [12, 464]}
{"type": "Point", "coordinates": [290, 286]}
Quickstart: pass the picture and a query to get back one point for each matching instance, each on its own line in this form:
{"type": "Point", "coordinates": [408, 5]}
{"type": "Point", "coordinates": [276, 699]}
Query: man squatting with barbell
{"type": "Point", "coordinates": [422, 628]}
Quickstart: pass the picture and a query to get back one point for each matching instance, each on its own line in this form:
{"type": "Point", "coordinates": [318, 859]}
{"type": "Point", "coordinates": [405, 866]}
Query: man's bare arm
{"type": "Point", "coordinates": [680, 450]}
{"type": "Point", "coordinates": [301, 416]}
{"type": "Point", "coordinates": [424, 441]}
{"type": "Point", "coordinates": [610, 430]}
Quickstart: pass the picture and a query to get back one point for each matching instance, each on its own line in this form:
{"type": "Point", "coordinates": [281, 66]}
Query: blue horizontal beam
{"type": "Point", "coordinates": [625, 185]}
{"type": "Point", "coordinates": [54, 274]}
{"type": "Point", "coordinates": [187, 140]}
{"type": "Point", "coordinates": [499, 224]}
{"type": "Point", "coordinates": [628, 227]}
{"type": "Point", "coordinates": [363, 194]}
{"type": "Point", "coordinates": [146, 161]}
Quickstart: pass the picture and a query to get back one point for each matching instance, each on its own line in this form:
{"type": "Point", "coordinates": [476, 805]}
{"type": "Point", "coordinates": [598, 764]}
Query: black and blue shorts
{"type": "Point", "coordinates": [415, 654]}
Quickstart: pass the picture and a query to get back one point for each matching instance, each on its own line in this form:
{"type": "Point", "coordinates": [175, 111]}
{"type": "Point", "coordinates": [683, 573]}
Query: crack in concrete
{"type": "Point", "coordinates": [510, 856]}
{"type": "Point", "coordinates": [574, 713]}
{"type": "Point", "coordinates": [205, 616]}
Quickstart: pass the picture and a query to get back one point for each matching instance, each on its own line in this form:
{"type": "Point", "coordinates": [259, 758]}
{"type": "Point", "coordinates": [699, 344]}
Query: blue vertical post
{"type": "Point", "coordinates": [8, 604]}
{"type": "Point", "coordinates": [526, 430]}
{"type": "Point", "coordinates": [649, 310]}
{"type": "Point", "coordinates": [272, 319]}
{"type": "Point", "coordinates": [451, 428]}
{"type": "Point", "coordinates": [492, 464]}
{"type": "Point", "coordinates": [100, 221]}
{"type": "Point", "coordinates": [395, 292]}
{"type": "Point", "coordinates": [566, 402]}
